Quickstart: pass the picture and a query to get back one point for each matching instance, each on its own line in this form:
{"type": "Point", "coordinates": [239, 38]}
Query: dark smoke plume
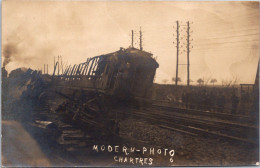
{"type": "Point", "coordinates": [9, 52]}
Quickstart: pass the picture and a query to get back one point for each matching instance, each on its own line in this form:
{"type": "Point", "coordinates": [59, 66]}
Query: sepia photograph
{"type": "Point", "coordinates": [129, 83]}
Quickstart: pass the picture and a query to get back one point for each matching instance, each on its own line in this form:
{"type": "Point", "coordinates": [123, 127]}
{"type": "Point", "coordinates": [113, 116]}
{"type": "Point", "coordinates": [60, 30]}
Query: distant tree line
{"type": "Point", "coordinates": [204, 82]}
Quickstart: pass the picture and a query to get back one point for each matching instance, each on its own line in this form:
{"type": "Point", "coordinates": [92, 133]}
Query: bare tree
{"type": "Point", "coordinates": [206, 80]}
{"type": "Point", "coordinates": [200, 81]}
{"type": "Point", "coordinates": [174, 79]}
{"type": "Point", "coordinates": [213, 81]}
{"type": "Point", "coordinates": [165, 81]}
{"type": "Point", "coordinates": [230, 82]}
{"type": "Point", "coordinates": [235, 80]}
{"type": "Point", "coordinates": [226, 83]}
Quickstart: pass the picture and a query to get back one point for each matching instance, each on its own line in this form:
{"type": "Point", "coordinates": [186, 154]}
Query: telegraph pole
{"type": "Point", "coordinates": [54, 65]}
{"type": "Point", "coordinates": [61, 64]}
{"type": "Point", "coordinates": [132, 38]}
{"type": "Point", "coordinates": [141, 47]}
{"type": "Point", "coordinates": [188, 53]}
{"type": "Point", "coordinates": [44, 69]}
{"type": "Point", "coordinates": [188, 47]}
{"type": "Point", "coordinates": [177, 46]}
{"type": "Point", "coordinates": [58, 65]}
{"type": "Point", "coordinates": [47, 69]}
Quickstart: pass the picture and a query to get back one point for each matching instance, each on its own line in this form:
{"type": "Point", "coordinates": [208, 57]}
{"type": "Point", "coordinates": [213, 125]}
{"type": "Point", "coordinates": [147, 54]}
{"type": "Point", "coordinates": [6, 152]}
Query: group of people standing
{"type": "Point", "coordinates": [211, 100]}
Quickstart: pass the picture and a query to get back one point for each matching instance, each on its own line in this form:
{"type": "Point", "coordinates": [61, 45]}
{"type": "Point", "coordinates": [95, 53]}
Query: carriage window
{"type": "Point", "coordinates": [95, 68]}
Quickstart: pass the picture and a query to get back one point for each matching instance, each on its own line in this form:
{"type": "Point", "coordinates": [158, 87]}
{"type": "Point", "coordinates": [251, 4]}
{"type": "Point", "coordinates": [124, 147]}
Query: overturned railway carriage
{"type": "Point", "coordinates": [124, 76]}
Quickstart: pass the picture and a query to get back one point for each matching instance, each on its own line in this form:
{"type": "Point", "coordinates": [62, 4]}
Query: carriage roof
{"type": "Point", "coordinates": [132, 54]}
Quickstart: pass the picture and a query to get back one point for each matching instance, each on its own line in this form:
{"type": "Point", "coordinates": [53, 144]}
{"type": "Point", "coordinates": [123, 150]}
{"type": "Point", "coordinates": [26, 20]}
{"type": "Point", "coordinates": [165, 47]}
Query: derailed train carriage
{"type": "Point", "coordinates": [122, 77]}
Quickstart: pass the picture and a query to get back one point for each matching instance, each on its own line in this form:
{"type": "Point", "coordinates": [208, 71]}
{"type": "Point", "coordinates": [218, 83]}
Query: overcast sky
{"type": "Point", "coordinates": [225, 34]}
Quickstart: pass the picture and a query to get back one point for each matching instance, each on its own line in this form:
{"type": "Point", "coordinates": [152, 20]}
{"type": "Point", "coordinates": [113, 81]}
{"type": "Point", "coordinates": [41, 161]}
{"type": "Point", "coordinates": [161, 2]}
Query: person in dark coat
{"type": "Point", "coordinates": [221, 102]}
{"type": "Point", "coordinates": [206, 101]}
{"type": "Point", "coordinates": [183, 99]}
{"type": "Point", "coordinates": [234, 102]}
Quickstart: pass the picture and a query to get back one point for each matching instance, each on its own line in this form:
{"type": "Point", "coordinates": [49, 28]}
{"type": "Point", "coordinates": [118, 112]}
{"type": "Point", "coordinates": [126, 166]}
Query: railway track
{"type": "Point", "coordinates": [192, 123]}
{"type": "Point", "coordinates": [208, 121]}
{"type": "Point", "coordinates": [215, 115]}
{"type": "Point", "coordinates": [75, 139]}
